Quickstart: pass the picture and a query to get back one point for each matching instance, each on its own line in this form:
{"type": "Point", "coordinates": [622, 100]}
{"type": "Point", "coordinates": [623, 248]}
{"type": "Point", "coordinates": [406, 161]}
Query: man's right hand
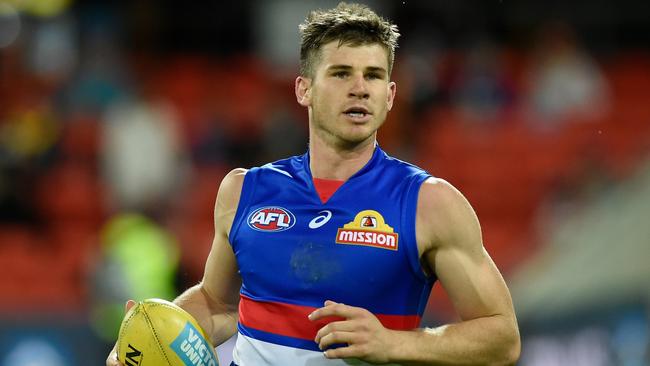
{"type": "Point", "coordinates": [112, 360]}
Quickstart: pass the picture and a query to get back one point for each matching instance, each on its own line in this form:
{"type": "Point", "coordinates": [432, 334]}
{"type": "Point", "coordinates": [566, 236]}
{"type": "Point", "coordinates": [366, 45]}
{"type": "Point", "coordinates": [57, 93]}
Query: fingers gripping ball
{"type": "Point", "coordinates": [156, 332]}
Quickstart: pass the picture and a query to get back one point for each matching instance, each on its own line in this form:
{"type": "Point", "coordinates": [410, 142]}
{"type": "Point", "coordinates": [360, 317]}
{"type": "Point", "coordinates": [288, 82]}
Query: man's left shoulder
{"type": "Point", "coordinates": [436, 194]}
{"type": "Point", "coordinates": [444, 211]}
{"type": "Point", "coordinates": [405, 168]}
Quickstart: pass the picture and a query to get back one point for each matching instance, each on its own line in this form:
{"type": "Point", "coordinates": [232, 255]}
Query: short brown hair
{"type": "Point", "coordinates": [351, 24]}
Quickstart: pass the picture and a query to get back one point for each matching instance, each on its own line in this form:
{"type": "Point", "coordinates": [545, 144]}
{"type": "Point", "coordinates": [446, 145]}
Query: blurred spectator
{"type": "Point", "coordinates": [283, 134]}
{"type": "Point", "coordinates": [10, 24]}
{"type": "Point", "coordinates": [100, 78]}
{"type": "Point", "coordinates": [483, 89]}
{"type": "Point", "coordinates": [16, 195]}
{"type": "Point", "coordinates": [53, 51]}
{"type": "Point", "coordinates": [29, 131]}
{"type": "Point", "coordinates": [564, 81]}
{"type": "Point", "coordinates": [138, 260]}
{"type": "Point", "coordinates": [416, 71]}
{"type": "Point", "coordinates": [143, 159]}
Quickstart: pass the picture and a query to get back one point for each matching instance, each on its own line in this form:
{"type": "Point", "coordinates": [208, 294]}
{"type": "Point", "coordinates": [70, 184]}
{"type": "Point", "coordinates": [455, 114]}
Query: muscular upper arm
{"type": "Point", "coordinates": [221, 280]}
{"type": "Point", "coordinates": [450, 242]}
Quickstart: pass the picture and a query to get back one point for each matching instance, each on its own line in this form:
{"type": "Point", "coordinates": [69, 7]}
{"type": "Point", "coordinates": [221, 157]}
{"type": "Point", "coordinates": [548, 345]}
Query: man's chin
{"type": "Point", "coordinates": [355, 139]}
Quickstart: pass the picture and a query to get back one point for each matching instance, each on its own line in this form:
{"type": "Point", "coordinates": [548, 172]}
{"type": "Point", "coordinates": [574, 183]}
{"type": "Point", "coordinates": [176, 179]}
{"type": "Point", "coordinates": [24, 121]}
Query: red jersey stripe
{"type": "Point", "coordinates": [291, 320]}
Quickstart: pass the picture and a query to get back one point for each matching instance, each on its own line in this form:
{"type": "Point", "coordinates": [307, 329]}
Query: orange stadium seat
{"type": "Point", "coordinates": [71, 191]}
{"type": "Point", "coordinates": [192, 224]}
{"type": "Point", "coordinates": [42, 274]}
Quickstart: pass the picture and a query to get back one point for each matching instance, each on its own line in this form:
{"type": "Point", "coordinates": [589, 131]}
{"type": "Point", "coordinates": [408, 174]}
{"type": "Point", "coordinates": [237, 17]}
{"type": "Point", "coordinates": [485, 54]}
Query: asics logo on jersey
{"type": "Point", "coordinates": [271, 218]}
{"type": "Point", "coordinates": [320, 220]}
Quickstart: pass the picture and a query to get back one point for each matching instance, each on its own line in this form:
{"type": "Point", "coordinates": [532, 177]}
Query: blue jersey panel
{"type": "Point", "coordinates": [358, 248]}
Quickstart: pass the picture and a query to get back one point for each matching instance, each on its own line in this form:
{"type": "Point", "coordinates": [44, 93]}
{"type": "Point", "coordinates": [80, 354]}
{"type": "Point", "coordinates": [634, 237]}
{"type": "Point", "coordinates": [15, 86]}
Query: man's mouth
{"type": "Point", "coordinates": [357, 112]}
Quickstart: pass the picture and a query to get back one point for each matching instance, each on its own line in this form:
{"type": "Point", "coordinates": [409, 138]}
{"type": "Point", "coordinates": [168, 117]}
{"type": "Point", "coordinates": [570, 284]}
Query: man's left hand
{"type": "Point", "coordinates": [365, 336]}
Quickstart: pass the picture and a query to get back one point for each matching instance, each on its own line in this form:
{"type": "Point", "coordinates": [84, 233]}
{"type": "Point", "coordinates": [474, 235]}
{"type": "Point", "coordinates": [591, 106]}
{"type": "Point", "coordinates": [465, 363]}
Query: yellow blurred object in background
{"type": "Point", "coordinates": [41, 8]}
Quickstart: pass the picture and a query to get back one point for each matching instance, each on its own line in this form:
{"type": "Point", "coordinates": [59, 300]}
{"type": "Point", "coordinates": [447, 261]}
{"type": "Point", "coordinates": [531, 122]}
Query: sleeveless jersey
{"type": "Point", "coordinates": [294, 252]}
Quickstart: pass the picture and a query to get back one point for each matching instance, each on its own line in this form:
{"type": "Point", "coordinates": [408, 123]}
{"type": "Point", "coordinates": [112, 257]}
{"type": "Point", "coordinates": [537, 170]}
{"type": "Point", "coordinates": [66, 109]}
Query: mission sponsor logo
{"type": "Point", "coordinates": [272, 218]}
{"type": "Point", "coordinates": [368, 228]}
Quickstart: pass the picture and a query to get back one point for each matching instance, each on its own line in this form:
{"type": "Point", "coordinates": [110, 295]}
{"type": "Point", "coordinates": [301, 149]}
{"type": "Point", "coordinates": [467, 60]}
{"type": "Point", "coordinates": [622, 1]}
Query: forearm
{"type": "Point", "coordinates": [490, 340]}
{"type": "Point", "coordinates": [219, 320]}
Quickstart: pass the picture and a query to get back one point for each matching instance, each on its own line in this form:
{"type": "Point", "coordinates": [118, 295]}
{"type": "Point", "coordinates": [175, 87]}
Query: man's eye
{"type": "Point", "coordinates": [372, 76]}
{"type": "Point", "coordinates": [340, 74]}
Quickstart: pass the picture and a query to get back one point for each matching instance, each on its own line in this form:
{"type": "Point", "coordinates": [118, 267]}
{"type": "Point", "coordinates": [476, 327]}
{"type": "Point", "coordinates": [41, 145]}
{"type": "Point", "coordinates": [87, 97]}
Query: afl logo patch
{"type": "Point", "coordinates": [271, 218]}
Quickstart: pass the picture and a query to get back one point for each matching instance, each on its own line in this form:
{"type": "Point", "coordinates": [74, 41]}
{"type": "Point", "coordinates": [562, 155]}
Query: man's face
{"type": "Point", "coordinates": [349, 94]}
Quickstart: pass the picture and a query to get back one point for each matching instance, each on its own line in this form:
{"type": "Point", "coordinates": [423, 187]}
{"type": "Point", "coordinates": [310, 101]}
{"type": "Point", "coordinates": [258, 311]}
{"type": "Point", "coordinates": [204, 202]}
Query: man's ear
{"type": "Point", "coordinates": [303, 91]}
{"type": "Point", "coordinates": [392, 89]}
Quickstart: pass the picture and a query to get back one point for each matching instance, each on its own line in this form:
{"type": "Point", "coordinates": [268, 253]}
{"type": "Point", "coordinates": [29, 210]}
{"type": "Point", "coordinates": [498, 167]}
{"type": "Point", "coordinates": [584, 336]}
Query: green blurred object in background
{"type": "Point", "coordinates": [139, 261]}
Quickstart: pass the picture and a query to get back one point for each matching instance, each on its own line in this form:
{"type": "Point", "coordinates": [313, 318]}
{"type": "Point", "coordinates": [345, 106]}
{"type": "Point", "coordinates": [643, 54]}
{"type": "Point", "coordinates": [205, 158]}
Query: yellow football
{"type": "Point", "coordinates": [156, 332]}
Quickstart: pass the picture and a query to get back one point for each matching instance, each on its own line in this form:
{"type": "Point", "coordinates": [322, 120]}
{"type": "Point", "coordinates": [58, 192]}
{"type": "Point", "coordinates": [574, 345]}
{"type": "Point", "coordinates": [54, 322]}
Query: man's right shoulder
{"type": "Point", "coordinates": [231, 186]}
{"type": "Point", "coordinates": [235, 175]}
{"type": "Point", "coordinates": [233, 182]}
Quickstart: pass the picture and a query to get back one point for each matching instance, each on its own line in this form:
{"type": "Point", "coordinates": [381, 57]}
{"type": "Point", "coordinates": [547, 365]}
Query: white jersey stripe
{"type": "Point", "coordinates": [252, 352]}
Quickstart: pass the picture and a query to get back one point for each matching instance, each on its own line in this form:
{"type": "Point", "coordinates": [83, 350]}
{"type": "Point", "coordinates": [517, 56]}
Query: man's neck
{"type": "Point", "coordinates": [329, 162]}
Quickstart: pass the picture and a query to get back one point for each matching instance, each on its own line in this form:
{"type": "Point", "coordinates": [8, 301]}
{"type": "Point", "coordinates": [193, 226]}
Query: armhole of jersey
{"type": "Point", "coordinates": [409, 211]}
{"type": "Point", "coordinates": [248, 187]}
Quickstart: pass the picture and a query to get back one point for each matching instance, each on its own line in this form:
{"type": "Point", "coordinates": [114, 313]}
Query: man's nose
{"type": "Point", "coordinates": [359, 88]}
